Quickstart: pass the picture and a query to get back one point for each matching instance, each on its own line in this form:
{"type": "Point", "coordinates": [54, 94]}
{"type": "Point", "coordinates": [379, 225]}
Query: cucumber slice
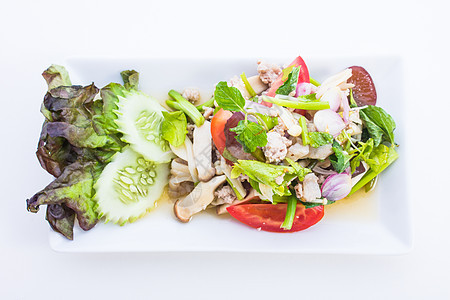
{"type": "Point", "coordinates": [129, 186]}
{"type": "Point", "coordinates": [139, 119]}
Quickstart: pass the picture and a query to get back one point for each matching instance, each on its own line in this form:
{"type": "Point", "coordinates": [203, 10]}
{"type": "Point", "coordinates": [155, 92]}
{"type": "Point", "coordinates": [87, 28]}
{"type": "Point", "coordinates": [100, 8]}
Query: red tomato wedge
{"type": "Point", "coordinates": [303, 76]}
{"type": "Point", "coordinates": [218, 128]}
{"type": "Point", "coordinates": [269, 217]}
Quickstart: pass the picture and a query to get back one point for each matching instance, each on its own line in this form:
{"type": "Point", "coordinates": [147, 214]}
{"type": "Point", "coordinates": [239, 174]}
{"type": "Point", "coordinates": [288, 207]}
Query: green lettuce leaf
{"type": "Point", "coordinates": [130, 79]}
{"type": "Point", "coordinates": [265, 173]}
{"type": "Point", "coordinates": [74, 189]}
{"type": "Point", "coordinates": [104, 120]}
{"type": "Point", "coordinates": [173, 128]}
{"type": "Point", "coordinates": [61, 219]}
{"type": "Point", "coordinates": [77, 140]}
{"type": "Point", "coordinates": [56, 76]}
{"type": "Point", "coordinates": [299, 170]}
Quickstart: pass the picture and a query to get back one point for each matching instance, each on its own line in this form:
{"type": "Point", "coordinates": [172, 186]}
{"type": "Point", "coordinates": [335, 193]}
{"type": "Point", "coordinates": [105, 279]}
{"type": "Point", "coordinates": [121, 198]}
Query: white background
{"type": "Point", "coordinates": [34, 34]}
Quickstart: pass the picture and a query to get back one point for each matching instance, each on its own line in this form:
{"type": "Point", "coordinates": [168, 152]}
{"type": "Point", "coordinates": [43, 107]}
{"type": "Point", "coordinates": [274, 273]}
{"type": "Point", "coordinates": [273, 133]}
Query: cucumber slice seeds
{"type": "Point", "coordinates": [139, 119]}
{"type": "Point", "coordinates": [129, 186]}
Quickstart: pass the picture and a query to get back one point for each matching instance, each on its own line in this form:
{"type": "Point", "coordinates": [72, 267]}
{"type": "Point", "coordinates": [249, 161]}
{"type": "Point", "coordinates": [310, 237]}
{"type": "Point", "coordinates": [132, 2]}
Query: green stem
{"type": "Point", "coordinates": [173, 105]}
{"type": "Point", "coordinates": [248, 87]}
{"type": "Point", "coordinates": [310, 105]}
{"type": "Point", "coordinates": [188, 108]}
{"type": "Point", "coordinates": [313, 81]}
{"type": "Point", "coordinates": [305, 136]}
{"type": "Point", "coordinates": [290, 213]}
{"type": "Point", "coordinates": [209, 103]}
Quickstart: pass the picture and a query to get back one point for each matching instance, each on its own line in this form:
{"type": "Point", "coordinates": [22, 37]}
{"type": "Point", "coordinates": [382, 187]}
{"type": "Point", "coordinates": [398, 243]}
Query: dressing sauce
{"type": "Point", "coordinates": [360, 206]}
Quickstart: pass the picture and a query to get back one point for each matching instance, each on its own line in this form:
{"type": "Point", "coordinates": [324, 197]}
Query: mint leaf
{"type": "Point", "coordinates": [290, 84]}
{"type": "Point", "coordinates": [317, 139]}
{"type": "Point", "coordinates": [229, 98]}
{"type": "Point", "coordinates": [250, 135]}
{"type": "Point", "coordinates": [340, 159]}
{"type": "Point", "coordinates": [379, 123]}
{"type": "Point", "coordinates": [173, 128]}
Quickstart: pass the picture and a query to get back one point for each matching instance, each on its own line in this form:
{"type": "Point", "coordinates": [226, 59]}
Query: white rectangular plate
{"type": "Point", "coordinates": [378, 223]}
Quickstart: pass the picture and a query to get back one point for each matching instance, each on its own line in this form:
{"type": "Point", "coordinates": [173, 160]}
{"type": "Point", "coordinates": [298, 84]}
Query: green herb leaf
{"type": "Point", "coordinates": [250, 135]}
{"type": "Point", "coordinates": [318, 139]}
{"type": "Point", "coordinates": [286, 72]}
{"type": "Point", "coordinates": [173, 128]}
{"type": "Point", "coordinates": [229, 98]}
{"type": "Point", "coordinates": [340, 159]}
{"type": "Point", "coordinates": [290, 84]}
{"type": "Point", "coordinates": [270, 122]}
{"type": "Point", "coordinates": [299, 170]}
{"type": "Point", "coordinates": [381, 156]}
{"type": "Point", "coordinates": [384, 156]}
{"type": "Point", "coordinates": [379, 123]}
{"type": "Point", "coordinates": [363, 153]}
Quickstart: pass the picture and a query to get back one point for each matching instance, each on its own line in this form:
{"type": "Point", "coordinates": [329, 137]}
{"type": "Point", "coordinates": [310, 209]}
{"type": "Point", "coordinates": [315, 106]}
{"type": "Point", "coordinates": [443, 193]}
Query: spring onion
{"type": "Point", "coordinates": [309, 105]}
{"type": "Point", "coordinates": [305, 135]}
{"type": "Point", "coordinates": [249, 88]}
{"type": "Point", "coordinates": [290, 213]}
{"type": "Point", "coordinates": [187, 107]}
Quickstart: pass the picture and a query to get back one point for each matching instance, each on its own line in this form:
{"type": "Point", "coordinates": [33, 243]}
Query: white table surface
{"type": "Point", "coordinates": [34, 34]}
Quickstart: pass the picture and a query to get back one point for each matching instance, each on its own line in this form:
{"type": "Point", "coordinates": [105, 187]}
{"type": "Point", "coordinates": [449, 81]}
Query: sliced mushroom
{"type": "Point", "coordinates": [198, 199]}
{"type": "Point", "coordinates": [180, 182]}
{"type": "Point", "coordinates": [203, 152]}
{"type": "Point", "coordinates": [180, 151]}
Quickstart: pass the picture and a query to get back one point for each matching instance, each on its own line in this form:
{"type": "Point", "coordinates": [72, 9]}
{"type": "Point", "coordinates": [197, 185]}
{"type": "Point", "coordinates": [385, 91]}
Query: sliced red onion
{"type": "Point", "coordinates": [328, 121]}
{"type": "Point", "coordinates": [337, 186]}
{"type": "Point", "coordinates": [346, 108]}
{"type": "Point", "coordinates": [334, 97]}
{"type": "Point", "coordinates": [322, 171]}
{"type": "Point", "coordinates": [305, 88]}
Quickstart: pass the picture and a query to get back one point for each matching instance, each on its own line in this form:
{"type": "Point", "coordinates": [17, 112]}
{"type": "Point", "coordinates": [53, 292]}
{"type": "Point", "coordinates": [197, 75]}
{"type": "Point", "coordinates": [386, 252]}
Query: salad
{"type": "Point", "coordinates": [270, 150]}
